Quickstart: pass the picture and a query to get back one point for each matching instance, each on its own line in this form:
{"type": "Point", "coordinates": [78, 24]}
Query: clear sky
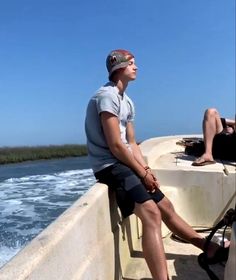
{"type": "Point", "coordinates": [52, 60]}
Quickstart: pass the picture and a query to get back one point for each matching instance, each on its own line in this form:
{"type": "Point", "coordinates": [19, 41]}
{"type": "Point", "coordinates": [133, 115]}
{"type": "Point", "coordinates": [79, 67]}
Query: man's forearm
{"type": "Point", "coordinates": [138, 154]}
{"type": "Point", "coordinates": [121, 152]}
{"type": "Point", "coordinates": [230, 122]}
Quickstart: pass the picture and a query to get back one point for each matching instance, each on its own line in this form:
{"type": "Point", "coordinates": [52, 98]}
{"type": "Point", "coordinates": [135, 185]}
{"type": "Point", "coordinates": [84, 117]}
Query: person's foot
{"type": "Point", "coordinates": [214, 249]}
{"type": "Point", "coordinates": [203, 160]}
{"type": "Point", "coordinates": [220, 255]}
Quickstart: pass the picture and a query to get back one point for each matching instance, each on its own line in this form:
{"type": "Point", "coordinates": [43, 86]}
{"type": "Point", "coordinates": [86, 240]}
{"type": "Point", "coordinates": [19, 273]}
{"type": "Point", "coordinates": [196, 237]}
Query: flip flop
{"type": "Point", "coordinates": [202, 163]}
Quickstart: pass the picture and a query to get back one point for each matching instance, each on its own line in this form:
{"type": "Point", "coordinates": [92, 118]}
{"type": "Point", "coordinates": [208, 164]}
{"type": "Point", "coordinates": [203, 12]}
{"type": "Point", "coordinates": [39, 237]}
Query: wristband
{"type": "Point", "coordinates": [147, 167]}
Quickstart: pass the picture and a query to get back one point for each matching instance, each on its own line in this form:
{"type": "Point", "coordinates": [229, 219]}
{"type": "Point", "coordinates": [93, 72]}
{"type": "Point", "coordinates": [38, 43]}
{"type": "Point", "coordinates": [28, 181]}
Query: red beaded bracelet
{"type": "Point", "coordinates": [147, 167]}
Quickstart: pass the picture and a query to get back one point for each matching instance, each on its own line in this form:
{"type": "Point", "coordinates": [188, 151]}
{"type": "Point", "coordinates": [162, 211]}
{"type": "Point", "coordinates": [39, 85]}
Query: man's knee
{"type": "Point", "coordinates": [167, 208]}
{"type": "Point", "coordinates": [211, 112]}
{"type": "Point", "coordinates": [148, 213]}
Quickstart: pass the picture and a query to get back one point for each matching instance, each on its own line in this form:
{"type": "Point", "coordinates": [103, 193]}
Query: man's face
{"type": "Point", "coordinates": [130, 71]}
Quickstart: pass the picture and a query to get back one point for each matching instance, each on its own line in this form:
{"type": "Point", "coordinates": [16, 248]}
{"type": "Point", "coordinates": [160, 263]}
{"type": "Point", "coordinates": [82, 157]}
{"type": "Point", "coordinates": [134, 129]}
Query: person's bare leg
{"type": "Point", "coordinates": [153, 248]}
{"type": "Point", "coordinates": [211, 126]}
{"type": "Point", "coordinates": [179, 227]}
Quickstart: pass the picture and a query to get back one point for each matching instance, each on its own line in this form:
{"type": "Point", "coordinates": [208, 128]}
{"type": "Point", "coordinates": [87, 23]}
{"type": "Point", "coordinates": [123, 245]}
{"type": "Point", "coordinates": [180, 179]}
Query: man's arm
{"type": "Point", "coordinates": [230, 122]}
{"type": "Point", "coordinates": [110, 124]}
{"type": "Point", "coordinates": [133, 144]}
{"type": "Point", "coordinates": [135, 148]}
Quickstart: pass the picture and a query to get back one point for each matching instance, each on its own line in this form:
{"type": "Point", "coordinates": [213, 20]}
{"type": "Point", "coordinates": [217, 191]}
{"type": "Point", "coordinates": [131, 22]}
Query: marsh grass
{"type": "Point", "coordinates": [20, 154]}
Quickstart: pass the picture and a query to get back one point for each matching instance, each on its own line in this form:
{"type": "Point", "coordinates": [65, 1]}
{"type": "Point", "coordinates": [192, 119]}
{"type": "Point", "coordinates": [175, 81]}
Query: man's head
{"type": "Point", "coordinates": [117, 59]}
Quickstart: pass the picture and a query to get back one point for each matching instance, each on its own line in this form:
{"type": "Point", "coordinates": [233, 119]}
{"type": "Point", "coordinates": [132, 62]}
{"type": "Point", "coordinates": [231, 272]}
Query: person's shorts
{"type": "Point", "coordinates": [127, 186]}
{"type": "Point", "coordinates": [224, 146]}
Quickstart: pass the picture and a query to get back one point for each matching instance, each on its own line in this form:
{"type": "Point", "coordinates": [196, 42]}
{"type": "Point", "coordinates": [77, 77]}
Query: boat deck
{"type": "Point", "coordinates": [167, 154]}
{"type": "Point", "coordinates": [180, 160]}
{"type": "Point", "coordinates": [181, 260]}
{"type": "Point", "coordinates": [170, 157]}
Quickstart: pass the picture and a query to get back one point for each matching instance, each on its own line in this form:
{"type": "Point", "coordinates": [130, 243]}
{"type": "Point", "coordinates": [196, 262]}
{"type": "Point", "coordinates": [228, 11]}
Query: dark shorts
{"type": "Point", "coordinates": [224, 146]}
{"type": "Point", "coordinates": [127, 186]}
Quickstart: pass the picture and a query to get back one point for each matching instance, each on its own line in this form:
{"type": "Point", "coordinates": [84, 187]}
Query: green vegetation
{"type": "Point", "coordinates": [19, 154]}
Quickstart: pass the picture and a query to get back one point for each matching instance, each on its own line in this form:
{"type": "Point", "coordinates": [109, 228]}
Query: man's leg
{"type": "Point", "coordinates": [211, 126]}
{"type": "Point", "coordinates": [153, 248]}
{"type": "Point", "coordinates": [178, 226]}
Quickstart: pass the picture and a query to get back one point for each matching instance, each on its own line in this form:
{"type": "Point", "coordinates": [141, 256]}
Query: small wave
{"type": "Point", "coordinates": [29, 204]}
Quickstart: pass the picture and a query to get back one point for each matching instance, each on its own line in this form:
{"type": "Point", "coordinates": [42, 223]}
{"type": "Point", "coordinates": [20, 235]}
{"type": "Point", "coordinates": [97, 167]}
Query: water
{"type": "Point", "coordinates": [34, 194]}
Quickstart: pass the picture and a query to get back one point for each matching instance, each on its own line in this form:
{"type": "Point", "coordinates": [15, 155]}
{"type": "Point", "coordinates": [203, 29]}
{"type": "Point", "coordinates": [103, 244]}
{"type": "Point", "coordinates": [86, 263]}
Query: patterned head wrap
{"type": "Point", "coordinates": [117, 59]}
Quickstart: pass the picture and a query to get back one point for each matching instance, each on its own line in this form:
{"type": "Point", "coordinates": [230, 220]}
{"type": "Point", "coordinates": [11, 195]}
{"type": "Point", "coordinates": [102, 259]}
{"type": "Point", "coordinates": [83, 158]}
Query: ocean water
{"type": "Point", "coordinates": [34, 194]}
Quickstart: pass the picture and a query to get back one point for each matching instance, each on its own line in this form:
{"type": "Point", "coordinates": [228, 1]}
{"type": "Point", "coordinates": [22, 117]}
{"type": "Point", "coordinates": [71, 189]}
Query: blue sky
{"type": "Point", "coordinates": [52, 60]}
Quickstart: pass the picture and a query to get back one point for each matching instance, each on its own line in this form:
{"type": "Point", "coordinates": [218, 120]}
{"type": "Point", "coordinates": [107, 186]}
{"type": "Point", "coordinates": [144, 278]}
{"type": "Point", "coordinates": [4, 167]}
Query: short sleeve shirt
{"type": "Point", "coordinates": [106, 99]}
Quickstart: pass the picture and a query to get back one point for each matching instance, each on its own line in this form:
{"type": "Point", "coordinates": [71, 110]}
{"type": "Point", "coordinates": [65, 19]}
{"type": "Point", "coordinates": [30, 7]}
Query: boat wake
{"type": "Point", "coordinates": [29, 204]}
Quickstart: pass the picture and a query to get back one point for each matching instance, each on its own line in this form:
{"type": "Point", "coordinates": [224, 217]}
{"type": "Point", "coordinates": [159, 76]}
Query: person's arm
{"type": "Point", "coordinates": [133, 144]}
{"type": "Point", "coordinates": [230, 122]}
{"type": "Point", "coordinates": [135, 148]}
{"type": "Point", "coordinates": [110, 125]}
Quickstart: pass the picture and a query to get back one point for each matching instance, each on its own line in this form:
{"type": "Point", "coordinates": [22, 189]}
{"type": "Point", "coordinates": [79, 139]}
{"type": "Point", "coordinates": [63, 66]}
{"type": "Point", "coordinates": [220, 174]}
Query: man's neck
{"type": "Point", "coordinates": [121, 86]}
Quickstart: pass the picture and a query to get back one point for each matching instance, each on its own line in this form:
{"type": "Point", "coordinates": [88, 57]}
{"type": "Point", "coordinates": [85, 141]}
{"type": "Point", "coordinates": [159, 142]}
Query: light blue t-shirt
{"type": "Point", "coordinates": [106, 99]}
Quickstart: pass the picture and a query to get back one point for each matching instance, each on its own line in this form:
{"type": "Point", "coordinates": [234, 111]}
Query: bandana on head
{"type": "Point", "coordinates": [117, 59]}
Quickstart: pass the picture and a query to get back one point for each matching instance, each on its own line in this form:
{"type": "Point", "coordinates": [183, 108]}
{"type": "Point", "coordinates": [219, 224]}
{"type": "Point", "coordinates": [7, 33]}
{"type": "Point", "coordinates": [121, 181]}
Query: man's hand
{"type": "Point", "coordinates": [229, 129]}
{"type": "Point", "coordinates": [150, 181]}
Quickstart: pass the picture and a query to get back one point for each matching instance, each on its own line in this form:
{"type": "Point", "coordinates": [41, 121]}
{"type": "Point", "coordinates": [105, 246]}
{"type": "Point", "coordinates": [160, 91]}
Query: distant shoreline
{"type": "Point", "coordinates": [21, 154]}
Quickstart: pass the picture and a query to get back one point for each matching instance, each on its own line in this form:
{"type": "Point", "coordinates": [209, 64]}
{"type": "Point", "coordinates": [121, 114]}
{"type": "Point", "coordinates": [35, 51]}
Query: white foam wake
{"type": "Point", "coordinates": [31, 203]}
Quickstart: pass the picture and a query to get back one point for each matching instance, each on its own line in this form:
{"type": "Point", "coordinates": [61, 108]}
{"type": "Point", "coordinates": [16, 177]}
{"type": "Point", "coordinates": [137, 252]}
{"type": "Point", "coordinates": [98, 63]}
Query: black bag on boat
{"type": "Point", "coordinates": [194, 147]}
{"type": "Point", "coordinates": [224, 146]}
